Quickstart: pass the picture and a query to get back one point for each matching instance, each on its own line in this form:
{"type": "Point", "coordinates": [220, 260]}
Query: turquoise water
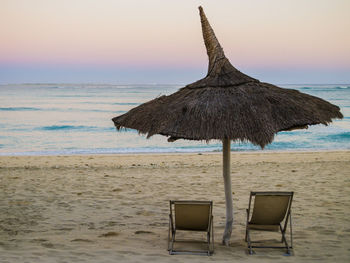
{"type": "Point", "coordinates": [53, 119]}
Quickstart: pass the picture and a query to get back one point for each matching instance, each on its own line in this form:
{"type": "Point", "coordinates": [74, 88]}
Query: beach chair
{"type": "Point", "coordinates": [191, 216]}
{"type": "Point", "coordinates": [271, 212]}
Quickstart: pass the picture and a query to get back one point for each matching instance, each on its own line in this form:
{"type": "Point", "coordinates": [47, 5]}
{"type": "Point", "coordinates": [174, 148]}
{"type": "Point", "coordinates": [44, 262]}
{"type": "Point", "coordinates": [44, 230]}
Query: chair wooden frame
{"type": "Point", "coordinates": [174, 226]}
{"type": "Point", "coordinates": [276, 227]}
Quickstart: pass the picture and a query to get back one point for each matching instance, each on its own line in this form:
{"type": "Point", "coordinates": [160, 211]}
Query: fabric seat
{"type": "Point", "coordinates": [271, 212]}
{"type": "Point", "coordinates": [191, 216]}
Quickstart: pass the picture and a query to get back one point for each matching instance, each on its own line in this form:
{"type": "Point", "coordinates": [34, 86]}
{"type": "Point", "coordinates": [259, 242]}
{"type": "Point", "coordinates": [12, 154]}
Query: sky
{"type": "Point", "coordinates": [160, 41]}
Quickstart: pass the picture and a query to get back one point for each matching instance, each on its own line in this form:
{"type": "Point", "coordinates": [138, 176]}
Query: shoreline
{"type": "Point", "coordinates": [233, 151]}
{"type": "Point", "coordinates": [168, 160]}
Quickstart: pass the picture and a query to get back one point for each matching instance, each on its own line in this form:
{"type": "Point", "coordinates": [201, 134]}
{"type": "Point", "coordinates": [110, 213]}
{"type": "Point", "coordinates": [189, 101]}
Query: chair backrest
{"type": "Point", "coordinates": [270, 208]}
{"type": "Point", "coordinates": [192, 215]}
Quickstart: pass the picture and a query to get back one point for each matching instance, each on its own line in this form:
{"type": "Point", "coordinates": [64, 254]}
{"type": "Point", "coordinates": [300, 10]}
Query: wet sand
{"type": "Point", "coordinates": [114, 208]}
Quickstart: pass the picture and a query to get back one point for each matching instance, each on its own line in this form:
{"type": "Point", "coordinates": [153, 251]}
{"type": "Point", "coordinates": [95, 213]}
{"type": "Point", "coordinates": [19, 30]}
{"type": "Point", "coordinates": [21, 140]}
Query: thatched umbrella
{"type": "Point", "coordinates": [227, 105]}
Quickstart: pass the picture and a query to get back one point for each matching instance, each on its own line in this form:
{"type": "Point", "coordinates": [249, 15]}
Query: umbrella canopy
{"type": "Point", "coordinates": [227, 105]}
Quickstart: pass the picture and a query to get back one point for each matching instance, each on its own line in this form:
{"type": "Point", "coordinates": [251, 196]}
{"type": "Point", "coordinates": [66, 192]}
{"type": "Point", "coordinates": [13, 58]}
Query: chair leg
{"type": "Point", "coordinates": [169, 237]}
{"type": "Point", "coordinates": [210, 238]}
{"type": "Point", "coordinates": [247, 221]}
{"type": "Point", "coordinates": [286, 244]}
{"type": "Point", "coordinates": [283, 232]}
{"type": "Point", "coordinates": [208, 242]}
{"type": "Point", "coordinates": [172, 243]}
{"type": "Point", "coordinates": [291, 230]}
{"type": "Point", "coordinates": [249, 242]}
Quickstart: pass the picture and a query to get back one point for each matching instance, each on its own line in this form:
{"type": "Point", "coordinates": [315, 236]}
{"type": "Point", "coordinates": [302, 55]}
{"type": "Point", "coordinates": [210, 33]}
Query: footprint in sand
{"type": "Point", "coordinates": [143, 232]}
{"type": "Point", "coordinates": [39, 240]}
{"type": "Point", "coordinates": [109, 234]}
{"type": "Point", "coordinates": [82, 240]}
{"type": "Point", "coordinates": [144, 213]}
{"type": "Point", "coordinates": [47, 245]}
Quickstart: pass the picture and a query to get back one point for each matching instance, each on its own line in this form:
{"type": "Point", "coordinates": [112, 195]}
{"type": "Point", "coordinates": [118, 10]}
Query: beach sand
{"type": "Point", "coordinates": [114, 208]}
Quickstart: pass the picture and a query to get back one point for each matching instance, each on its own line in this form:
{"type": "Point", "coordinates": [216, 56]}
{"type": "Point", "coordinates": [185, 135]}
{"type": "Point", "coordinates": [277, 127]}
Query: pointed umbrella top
{"type": "Point", "coordinates": [221, 73]}
{"type": "Point", "coordinates": [214, 49]}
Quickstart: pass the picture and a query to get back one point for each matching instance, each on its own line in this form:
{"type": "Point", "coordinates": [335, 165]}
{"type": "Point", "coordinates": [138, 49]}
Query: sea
{"type": "Point", "coordinates": [71, 119]}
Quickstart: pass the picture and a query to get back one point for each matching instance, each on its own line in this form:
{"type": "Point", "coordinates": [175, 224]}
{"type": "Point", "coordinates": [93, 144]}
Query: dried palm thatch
{"type": "Point", "coordinates": [227, 104]}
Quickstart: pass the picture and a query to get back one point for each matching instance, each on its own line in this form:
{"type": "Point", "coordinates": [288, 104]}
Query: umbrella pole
{"type": "Point", "coordinates": [226, 149]}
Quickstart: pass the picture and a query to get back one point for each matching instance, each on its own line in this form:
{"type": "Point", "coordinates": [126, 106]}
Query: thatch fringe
{"type": "Point", "coordinates": [244, 113]}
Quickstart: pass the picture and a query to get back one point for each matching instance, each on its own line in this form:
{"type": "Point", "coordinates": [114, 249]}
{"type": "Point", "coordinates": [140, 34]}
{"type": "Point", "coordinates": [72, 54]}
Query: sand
{"type": "Point", "coordinates": [114, 208]}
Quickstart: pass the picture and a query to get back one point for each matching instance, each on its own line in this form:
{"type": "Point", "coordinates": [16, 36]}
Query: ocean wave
{"type": "Point", "coordinates": [306, 88]}
{"type": "Point", "coordinates": [342, 87]}
{"type": "Point", "coordinates": [86, 110]}
{"type": "Point", "coordinates": [324, 88]}
{"type": "Point", "coordinates": [344, 136]}
{"type": "Point", "coordinates": [19, 109]}
{"type": "Point", "coordinates": [60, 109]}
{"type": "Point", "coordinates": [126, 103]}
{"type": "Point", "coordinates": [66, 127]}
{"type": "Point", "coordinates": [80, 128]}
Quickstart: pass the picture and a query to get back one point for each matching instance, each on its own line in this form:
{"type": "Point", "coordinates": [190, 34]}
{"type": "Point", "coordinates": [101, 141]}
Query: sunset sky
{"type": "Point", "coordinates": [160, 41]}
